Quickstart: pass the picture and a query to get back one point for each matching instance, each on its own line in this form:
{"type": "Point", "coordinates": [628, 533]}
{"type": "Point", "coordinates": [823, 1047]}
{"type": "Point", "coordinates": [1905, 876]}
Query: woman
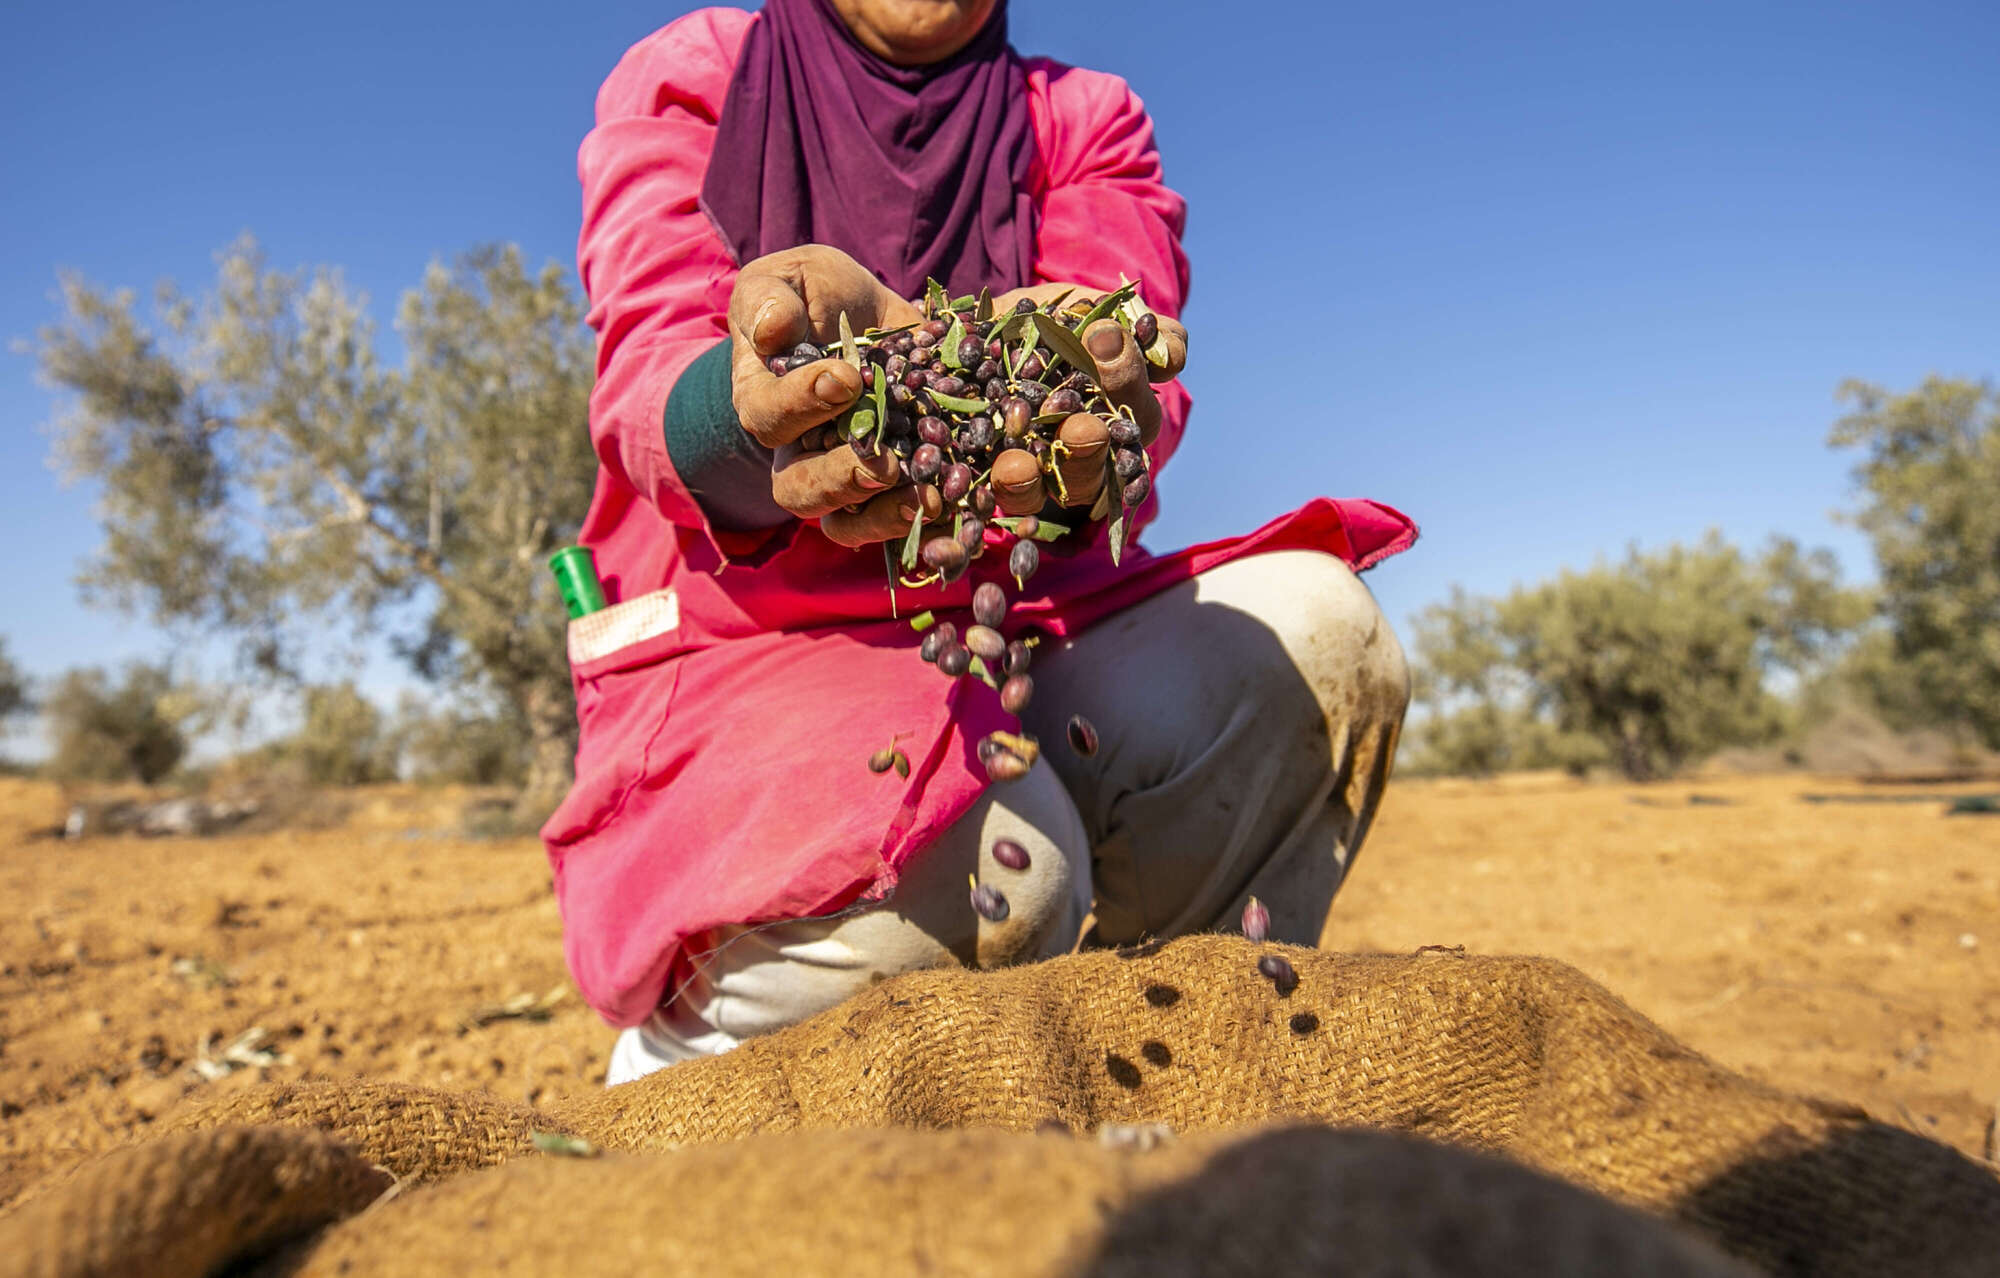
{"type": "Point", "coordinates": [725, 862]}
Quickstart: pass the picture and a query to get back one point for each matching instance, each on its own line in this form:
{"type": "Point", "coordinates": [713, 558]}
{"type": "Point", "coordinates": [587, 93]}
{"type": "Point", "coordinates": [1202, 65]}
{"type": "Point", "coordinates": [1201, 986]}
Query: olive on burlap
{"type": "Point", "coordinates": [1522, 1057]}
{"type": "Point", "coordinates": [187, 1205]}
{"type": "Point", "coordinates": [1295, 1203]}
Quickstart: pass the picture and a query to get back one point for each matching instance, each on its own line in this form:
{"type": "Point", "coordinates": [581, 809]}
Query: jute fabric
{"type": "Point", "coordinates": [1521, 1058]}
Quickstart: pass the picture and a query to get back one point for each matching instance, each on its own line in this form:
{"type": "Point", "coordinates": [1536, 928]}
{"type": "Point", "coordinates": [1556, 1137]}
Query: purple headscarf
{"type": "Point", "coordinates": [913, 171]}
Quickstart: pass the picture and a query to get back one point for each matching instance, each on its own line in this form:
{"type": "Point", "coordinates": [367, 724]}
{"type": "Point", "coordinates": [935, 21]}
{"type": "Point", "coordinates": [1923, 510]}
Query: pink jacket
{"type": "Point", "coordinates": [730, 696]}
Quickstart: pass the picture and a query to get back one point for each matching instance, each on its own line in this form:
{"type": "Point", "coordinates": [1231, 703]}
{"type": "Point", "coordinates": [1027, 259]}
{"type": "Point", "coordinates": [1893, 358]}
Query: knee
{"type": "Point", "coordinates": [1332, 632]}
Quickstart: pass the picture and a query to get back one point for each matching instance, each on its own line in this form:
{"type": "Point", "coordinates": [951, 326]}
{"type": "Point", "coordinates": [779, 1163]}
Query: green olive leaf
{"type": "Point", "coordinates": [1064, 343]}
{"type": "Point", "coordinates": [948, 348]}
{"type": "Point", "coordinates": [1107, 496]}
{"type": "Point", "coordinates": [911, 542]}
{"type": "Point", "coordinates": [959, 405]}
{"type": "Point", "coordinates": [861, 423]}
{"type": "Point", "coordinates": [983, 313]}
{"type": "Point", "coordinates": [978, 667]}
{"type": "Point", "coordinates": [1107, 304]}
{"type": "Point", "coordinates": [1116, 532]}
{"type": "Point", "coordinates": [936, 300]}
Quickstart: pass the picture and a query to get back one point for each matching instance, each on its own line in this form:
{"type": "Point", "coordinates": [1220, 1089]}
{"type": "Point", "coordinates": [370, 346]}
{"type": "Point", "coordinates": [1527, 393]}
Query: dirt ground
{"type": "Point", "coordinates": [1845, 949]}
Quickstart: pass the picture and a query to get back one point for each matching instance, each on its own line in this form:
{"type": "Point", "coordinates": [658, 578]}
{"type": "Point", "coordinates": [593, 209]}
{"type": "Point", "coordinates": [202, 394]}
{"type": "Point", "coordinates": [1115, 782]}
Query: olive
{"type": "Point", "coordinates": [989, 903]}
{"type": "Point", "coordinates": [949, 385]}
{"type": "Point", "coordinates": [984, 370]}
{"type": "Point", "coordinates": [1025, 558]}
{"type": "Point", "coordinates": [1279, 972]}
{"type": "Point", "coordinates": [989, 604]}
{"type": "Point", "coordinates": [935, 329]}
{"type": "Point", "coordinates": [778, 365]}
{"type": "Point", "coordinates": [933, 430]}
{"type": "Point", "coordinates": [971, 351]}
{"type": "Point", "coordinates": [988, 644]}
{"type": "Point", "coordinates": [1128, 462]}
{"type": "Point", "coordinates": [944, 553]}
{"type": "Point", "coordinates": [1017, 416]}
{"type": "Point", "coordinates": [984, 503]}
{"type": "Point", "coordinates": [972, 535]}
{"type": "Point", "coordinates": [1005, 765]}
{"type": "Point", "coordinates": [1146, 328]}
{"type": "Point", "coordinates": [1124, 434]}
{"type": "Point", "coordinates": [1082, 735]}
{"type": "Point", "coordinates": [1010, 854]}
{"type": "Point", "coordinates": [955, 481]}
{"type": "Point", "coordinates": [1135, 492]}
{"type": "Point", "coordinates": [996, 389]}
{"type": "Point", "coordinates": [882, 760]}
{"type": "Point", "coordinates": [1014, 694]}
{"type": "Point", "coordinates": [926, 462]}
{"type": "Point", "coordinates": [914, 378]}
{"type": "Point", "coordinates": [954, 661]}
{"type": "Point", "coordinates": [808, 352]}
{"type": "Point", "coordinates": [1018, 656]}
{"type": "Point", "coordinates": [1256, 920]}
{"type": "Point", "coordinates": [1063, 401]}
{"type": "Point", "coordinates": [1033, 366]}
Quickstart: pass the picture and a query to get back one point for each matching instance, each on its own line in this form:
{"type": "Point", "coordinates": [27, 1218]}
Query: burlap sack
{"type": "Point", "coordinates": [186, 1206]}
{"type": "Point", "coordinates": [1523, 1057]}
{"type": "Point", "coordinates": [864, 1204]}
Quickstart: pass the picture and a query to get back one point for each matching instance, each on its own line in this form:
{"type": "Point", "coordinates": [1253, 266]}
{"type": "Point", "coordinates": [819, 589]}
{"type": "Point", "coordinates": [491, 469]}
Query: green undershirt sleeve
{"type": "Point", "coordinates": [728, 472]}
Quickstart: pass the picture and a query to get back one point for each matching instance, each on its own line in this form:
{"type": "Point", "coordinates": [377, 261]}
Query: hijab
{"type": "Point", "coordinates": [914, 172]}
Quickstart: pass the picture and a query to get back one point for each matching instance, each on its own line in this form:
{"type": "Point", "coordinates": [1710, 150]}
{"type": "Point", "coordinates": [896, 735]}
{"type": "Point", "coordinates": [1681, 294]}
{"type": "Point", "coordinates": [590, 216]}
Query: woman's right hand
{"type": "Point", "coordinates": [780, 300]}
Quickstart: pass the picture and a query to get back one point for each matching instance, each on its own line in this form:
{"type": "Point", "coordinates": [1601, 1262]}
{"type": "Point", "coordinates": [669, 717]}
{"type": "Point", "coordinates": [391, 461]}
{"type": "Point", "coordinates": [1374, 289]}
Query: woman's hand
{"type": "Point", "coordinates": [786, 298]}
{"type": "Point", "coordinates": [1126, 377]}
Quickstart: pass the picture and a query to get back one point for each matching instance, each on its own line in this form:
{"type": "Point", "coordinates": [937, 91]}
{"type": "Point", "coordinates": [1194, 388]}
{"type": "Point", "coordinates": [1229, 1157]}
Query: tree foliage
{"type": "Point", "coordinates": [1646, 664]}
{"type": "Point", "coordinates": [265, 473]}
{"type": "Point", "coordinates": [343, 738]}
{"type": "Point", "coordinates": [133, 730]}
{"type": "Point", "coordinates": [14, 698]}
{"type": "Point", "coordinates": [1930, 480]}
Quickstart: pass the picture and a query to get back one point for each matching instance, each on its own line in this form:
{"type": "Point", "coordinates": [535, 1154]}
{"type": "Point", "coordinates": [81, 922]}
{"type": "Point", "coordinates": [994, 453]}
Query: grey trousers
{"type": "Point", "coordinates": [1248, 720]}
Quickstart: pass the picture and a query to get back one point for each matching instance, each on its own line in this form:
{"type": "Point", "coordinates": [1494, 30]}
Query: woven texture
{"type": "Point", "coordinates": [185, 1206]}
{"type": "Point", "coordinates": [1522, 1058]}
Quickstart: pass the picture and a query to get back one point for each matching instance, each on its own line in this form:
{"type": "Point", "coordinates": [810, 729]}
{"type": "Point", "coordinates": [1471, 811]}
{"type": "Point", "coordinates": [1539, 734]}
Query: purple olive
{"type": "Point", "coordinates": [986, 643]}
{"type": "Point", "coordinates": [989, 604]}
{"type": "Point", "coordinates": [1124, 434]}
{"type": "Point", "coordinates": [1024, 560]}
{"type": "Point", "coordinates": [1010, 854]}
{"type": "Point", "coordinates": [996, 389]}
{"type": "Point", "coordinates": [926, 462]}
{"type": "Point", "coordinates": [932, 430]}
{"type": "Point", "coordinates": [955, 481]}
{"type": "Point", "coordinates": [1145, 329]}
{"type": "Point", "coordinates": [937, 328]}
{"type": "Point", "coordinates": [1128, 462]}
{"type": "Point", "coordinates": [882, 760]}
{"type": "Point", "coordinates": [1135, 492]}
{"type": "Point", "coordinates": [1017, 416]}
{"type": "Point", "coordinates": [943, 553]}
{"type": "Point", "coordinates": [1279, 972]}
{"type": "Point", "coordinates": [984, 370]}
{"type": "Point", "coordinates": [972, 535]}
{"type": "Point", "coordinates": [989, 903]}
{"type": "Point", "coordinates": [1019, 655]}
{"type": "Point", "coordinates": [971, 351]}
{"type": "Point", "coordinates": [1016, 693]}
{"type": "Point", "coordinates": [1256, 920]}
{"type": "Point", "coordinates": [1032, 367]}
{"type": "Point", "coordinates": [1063, 401]}
{"type": "Point", "coordinates": [867, 447]}
{"type": "Point", "coordinates": [954, 661]}
{"type": "Point", "coordinates": [913, 379]}
{"type": "Point", "coordinates": [778, 365]}
{"type": "Point", "coordinates": [984, 503]}
{"type": "Point", "coordinates": [949, 385]}
{"type": "Point", "coordinates": [1082, 735]}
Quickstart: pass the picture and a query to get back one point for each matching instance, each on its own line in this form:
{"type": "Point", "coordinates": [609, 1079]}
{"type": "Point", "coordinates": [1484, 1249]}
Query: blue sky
{"type": "Point", "coordinates": [1549, 277]}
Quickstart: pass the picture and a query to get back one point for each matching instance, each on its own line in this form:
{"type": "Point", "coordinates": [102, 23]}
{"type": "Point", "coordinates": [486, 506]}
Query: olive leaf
{"type": "Point", "coordinates": [1044, 530]}
{"type": "Point", "coordinates": [983, 312]}
{"type": "Point", "coordinates": [948, 348]}
{"type": "Point", "coordinates": [1063, 342]}
{"type": "Point", "coordinates": [1107, 304]}
{"type": "Point", "coordinates": [936, 300]}
{"type": "Point", "coordinates": [978, 668]}
{"type": "Point", "coordinates": [1116, 532]}
{"type": "Point", "coordinates": [562, 1146]}
{"type": "Point", "coordinates": [911, 542]}
{"type": "Point", "coordinates": [848, 350]}
{"type": "Point", "coordinates": [959, 405]}
{"type": "Point", "coordinates": [861, 423]}
{"type": "Point", "coordinates": [1107, 496]}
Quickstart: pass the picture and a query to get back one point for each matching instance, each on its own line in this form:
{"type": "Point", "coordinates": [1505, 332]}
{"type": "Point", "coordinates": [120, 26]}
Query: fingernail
{"type": "Point", "coordinates": [831, 390]}
{"type": "Point", "coordinates": [866, 478]}
{"type": "Point", "coordinates": [1106, 342]}
{"type": "Point", "coordinates": [757, 324]}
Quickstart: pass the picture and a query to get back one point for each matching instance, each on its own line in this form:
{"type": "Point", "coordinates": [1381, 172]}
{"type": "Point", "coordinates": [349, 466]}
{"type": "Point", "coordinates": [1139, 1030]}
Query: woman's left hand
{"type": "Point", "coordinates": [1126, 378]}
